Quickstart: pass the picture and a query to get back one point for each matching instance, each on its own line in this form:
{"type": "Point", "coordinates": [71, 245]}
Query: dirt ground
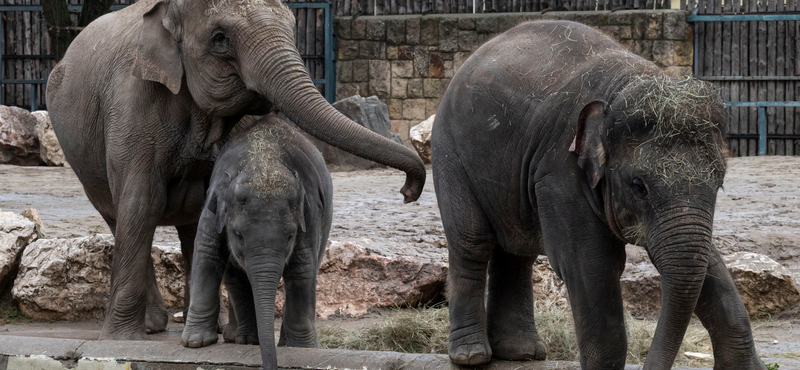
{"type": "Point", "coordinates": [758, 210]}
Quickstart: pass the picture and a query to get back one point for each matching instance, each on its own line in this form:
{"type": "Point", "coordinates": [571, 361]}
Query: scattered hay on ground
{"type": "Point", "coordinates": [426, 331]}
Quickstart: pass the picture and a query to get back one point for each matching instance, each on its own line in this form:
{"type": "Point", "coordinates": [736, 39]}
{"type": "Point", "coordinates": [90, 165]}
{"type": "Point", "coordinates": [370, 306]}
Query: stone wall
{"type": "Point", "coordinates": [408, 61]}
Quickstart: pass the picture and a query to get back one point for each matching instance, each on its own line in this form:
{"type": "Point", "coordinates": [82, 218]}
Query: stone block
{"type": "Point", "coordinates": [414, 109]}
{"type": "Point", "coordinates": [431, 105]}
{"type": "Point", "coordinates": [448, 34]}
{"type": "Point", "coordinates": [447, 56]}
{"type": "Point", "coordinates": [376, 29]}
{"type": "Point", "coordinates": [675, 26]}
{"type": "Point", "coordinates": [638, 25]}
{"type": "Point", "coordinates": [395, 31]}
{"type": "Point", "coordinates": [348, 49]}
{"type": "Point", "coordinates": [508, 21]}
{"type": "Point", "coordinates": [415, 88]}
{"type": "Point", "coordinates": [486, 24]}
{"type": "Point", "coordinates": [679, 71]}
{"type": "Point", "coordinates": [653, 31]}
{"type": "Point", "coordinates": [448, 69]}
{"type": "Point", "coordinates": [684, 53]}
{"type": "Point", "coordinates": [359, 29]}
{"type": "Point", "coordinates": [435, 87]}
{"type": "Point", "coordinates": [620, 18]}
{"type": "Point", "coordinates": [342, 27]}
{"type": "Point", "coordinates": [402, 68]}
{"type": "Point", "coordinates": [466, 23]}
{"type": "Point", "coordinates": [468, 41]}
{"type": "Point", "coordinates": [412, 31]}
{"type": "Point", "coordinates": [421, 61]}
{"type": "Point", "coordinates": [379, 78]}
{"type": "Point", "coordinates": [371, 50]}
{"type": "Point", "coordinates": [361, 70]}
{"type": "Point", "coordinates": [611, 31]}
{"type": "Point", "coordinates": [643, 48]}
{"type": "Point", "coordinates": [429, 31]}
{"type": "Point", "coordinates": [624, 33]}
{"type": "Point", "coordinates": [436, 66]}
{"type": "Point", "coordinates": [392, 52]}
{"type": "Point", "coordinates": [401, 127]}
{"type": "Point", "coordinates": [663, 53]}
{"type": "Point", "coordinates": [396, 108]}
{"type": "Point", "coordinates": [459, 59]}
{"type": "Point", "coordinates": [405, 52]}
{"type": "Point", "coordinates": [344, 71]}
{"type": "Point", "coordinates": [346, 90]}
{"type": "Point", "coordinates": [399, 86]}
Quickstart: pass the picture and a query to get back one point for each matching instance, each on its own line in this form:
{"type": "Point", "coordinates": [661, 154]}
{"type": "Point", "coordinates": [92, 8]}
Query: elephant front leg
{"type": "Point", "coordinates": [586, 255]}
{"type": "Point", "coordinates": [300, 282]}
{"type": "Point", "coordinates": [140, 205]}
{"type": "Point", "coordinates": [511, 327]}
{"type": "Point", "coordinates": [722, 312]}
{"type": "Point", "coordinates": [208, 265]}
{"type": "Point", "coordinates": [156, 317]}
{"type": "Point", "coordinates": [240, 294]}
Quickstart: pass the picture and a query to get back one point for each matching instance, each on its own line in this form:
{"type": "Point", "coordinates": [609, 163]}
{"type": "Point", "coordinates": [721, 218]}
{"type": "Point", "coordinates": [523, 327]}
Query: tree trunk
{"type": "Point", "coordinates": [60, 27]}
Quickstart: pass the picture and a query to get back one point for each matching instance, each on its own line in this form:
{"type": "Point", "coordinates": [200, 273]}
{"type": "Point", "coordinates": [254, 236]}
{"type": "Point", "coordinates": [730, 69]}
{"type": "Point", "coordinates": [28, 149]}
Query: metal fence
{"type": "Point", "coordinates": [390, 7]}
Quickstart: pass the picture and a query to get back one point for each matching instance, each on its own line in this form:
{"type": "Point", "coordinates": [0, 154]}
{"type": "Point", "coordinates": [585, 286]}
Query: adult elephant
{"type": "Point", "coordinates": [143, 97]}
{"type": "Point", "coordinates": [552, 139]}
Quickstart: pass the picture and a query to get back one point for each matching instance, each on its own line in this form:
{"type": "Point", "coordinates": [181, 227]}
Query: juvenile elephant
{"type": "Point", "coordinates": [552, 139]}
{"type": "Point", "coordinates": [267, 216]}
{"type": "Point", "coordinates": [145, 95]}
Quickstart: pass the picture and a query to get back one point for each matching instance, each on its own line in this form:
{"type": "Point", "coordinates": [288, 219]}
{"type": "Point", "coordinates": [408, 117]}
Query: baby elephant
{"type": "Point", "coordinates": [267, 215]}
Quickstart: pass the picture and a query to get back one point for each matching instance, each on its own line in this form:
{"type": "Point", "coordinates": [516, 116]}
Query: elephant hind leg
{"type": "Point", "coordinates": [470, 240]}
{"type": "Point", "coordinates": [156, 317]}
{"type": "Point", "coordinates": [187, 234]}
{"type": "Point", "coordinates": [511, 327]}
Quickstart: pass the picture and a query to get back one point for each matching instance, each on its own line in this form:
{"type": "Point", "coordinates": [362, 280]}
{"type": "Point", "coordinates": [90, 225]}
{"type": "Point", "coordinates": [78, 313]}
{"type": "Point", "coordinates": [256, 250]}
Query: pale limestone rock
{"type": "Point", "coordinates": [19, 144]}
{"type": "Point", "coordinates": [16, 232]}
{"type": "Point", "coordinates": [421, 138]}
{"type": "Point", "coordinates": [49, 148]}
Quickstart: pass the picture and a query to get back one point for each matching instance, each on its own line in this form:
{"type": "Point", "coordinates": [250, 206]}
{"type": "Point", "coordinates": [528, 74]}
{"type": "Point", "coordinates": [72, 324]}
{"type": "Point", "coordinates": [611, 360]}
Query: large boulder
{"type": "Point", "coordinates": [69, 279]}
{"type": "Point", "coordinates": [16, 232]}
{"type": "Point", "coordinates": [421, 138]}
{"type": "Point", "coordinates": [19, 144]}
{"type": "Point", "coordinates": [353, 279]}
{"type": "Point", "coordinates": [369, 112]}
{"type": "Point", "coordinates": [766, 287]}
{"type": "Point", "coordinates": [49, 148]}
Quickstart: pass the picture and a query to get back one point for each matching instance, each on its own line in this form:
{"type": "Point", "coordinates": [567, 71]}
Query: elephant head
{"type": "Point", "coordinates": [655, 155]}
{"type": "Point", "coordinates": [237, 57]}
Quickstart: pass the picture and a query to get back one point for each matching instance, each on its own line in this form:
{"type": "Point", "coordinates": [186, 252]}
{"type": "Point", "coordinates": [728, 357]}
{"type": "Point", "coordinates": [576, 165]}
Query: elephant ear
{"type": "Point", "coordinates": [158, 58]}
{"type": "Point", "coordinates": [220, 200]}
{"type": "Point", "coordinates": [301, 207]}
{"type": "Point", "coordinates": [588, 143]}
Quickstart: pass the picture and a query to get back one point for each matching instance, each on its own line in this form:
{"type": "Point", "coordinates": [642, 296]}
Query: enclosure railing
{"type": "Point", "coordinates": [391, 7]}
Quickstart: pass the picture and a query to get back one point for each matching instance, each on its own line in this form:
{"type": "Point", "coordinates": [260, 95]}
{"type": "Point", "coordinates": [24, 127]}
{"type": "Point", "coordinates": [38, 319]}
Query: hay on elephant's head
{"type": "Point", "coordinates": [244, 7]}
{"type": "Point", "coordinates": [683, 116]}
{"type": "Point", "coordinates": [270, 176]}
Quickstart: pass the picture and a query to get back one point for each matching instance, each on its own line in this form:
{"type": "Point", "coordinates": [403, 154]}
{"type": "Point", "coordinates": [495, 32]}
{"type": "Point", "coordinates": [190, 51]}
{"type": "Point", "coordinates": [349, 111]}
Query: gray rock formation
{"type": "Point", "coordinates": [49, 148]}
{"type": "Point", "coordinates": [16, 232]}
{"type": "Point", "coordinates": [19, 144]}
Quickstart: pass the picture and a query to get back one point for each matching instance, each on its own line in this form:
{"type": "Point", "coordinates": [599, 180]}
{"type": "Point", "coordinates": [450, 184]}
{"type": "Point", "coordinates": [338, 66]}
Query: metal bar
{"type": "Point", "coordinates": [324, 5]}
{"type": "Point", "coordinates": [763, 103]}
{"type": "Point", "coordinates": [742, 17]}
{"type": "Point", "coordinates": [762, 131]}
{"type": "Point", "coordinates": [2, 40]}
{"type": "Point", "coordinates": [33, 98]}
{"type": "Point", "coordinates": [318, 80]}
{"type": "Point", "coordinates": [32, 82]}
{"type": "Point", "coordinates": [29, 57]}
{"type": "Point", "coordinates": [749, 78]}
{"type": "Point", "coordinates": [330, 70]}
{"type": "Point", "coordinates": [695, 46]}
{"type": "Point", "coordinates": [770, 136]}
{"type": "Point", "coordinates": [38, 8]}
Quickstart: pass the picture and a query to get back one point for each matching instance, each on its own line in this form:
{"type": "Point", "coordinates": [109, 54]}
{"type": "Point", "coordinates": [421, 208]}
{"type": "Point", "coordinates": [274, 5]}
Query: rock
{"type": "Point", "coordinates": [49, 148]}
{"type": "Point", "coordinates": [65, 279]}
{"type": "Point", "coordinates": [69, 279]}
{"type": "Point", "coordinates": [547, 286]}
{"type": "Point", "coordinates": [421, 138]}
{"type": "Point", "coordinates": [16, 232]}
{"type": "Point", "coordinates": [19, 144]}
{"type": "Point", "coordinates": [369, 112]}
{"type": "Point", "coordinates": [33, 215]}
{"type": "Point", "coordinates": [766, 287]}
{"type": "Point", "coordinates": [352, 280]}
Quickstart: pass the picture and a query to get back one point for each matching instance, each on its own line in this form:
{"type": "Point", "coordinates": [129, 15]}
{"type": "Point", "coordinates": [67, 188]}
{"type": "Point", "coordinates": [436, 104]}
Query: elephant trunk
{"type": "Point", "coordinates": [281, 77]}
{"type": "Point", "coordinates": [679, 249]}
{"type": "Point", "coordinates": [264, 273]}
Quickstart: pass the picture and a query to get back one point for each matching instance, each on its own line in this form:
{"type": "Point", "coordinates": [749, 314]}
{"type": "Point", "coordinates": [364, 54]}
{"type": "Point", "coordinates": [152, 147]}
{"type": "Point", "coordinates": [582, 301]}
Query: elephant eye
{"type": "Point", "coordinates": [639, 189]}
{"type": "Point", "coordinates": [219, 43]}
{"type": "Point", "coordinates": [239, 237]}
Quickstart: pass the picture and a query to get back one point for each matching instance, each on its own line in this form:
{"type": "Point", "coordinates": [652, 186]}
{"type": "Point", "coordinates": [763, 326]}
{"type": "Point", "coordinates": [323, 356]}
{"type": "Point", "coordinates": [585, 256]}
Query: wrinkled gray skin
{"type": "Point", "coordinates": [142, 100]}
{"type": "Point", "coordinates": [537, 149]}
{"type": "Point", "coordinates": [257, 232]}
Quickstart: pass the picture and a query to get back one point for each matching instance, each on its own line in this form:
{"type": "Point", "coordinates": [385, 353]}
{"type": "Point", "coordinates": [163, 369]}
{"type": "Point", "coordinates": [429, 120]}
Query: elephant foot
{"type": "Point", "coordinates": [471, 350]}
{"type": "Point", "coordinates": [196, 336]}
{"type": "Point", "coordinates": [229, 332]}
{"type": "Point", "coordinates": [155, 320]}
{"type": "Point", "coordinates": [515, 348]}
{"type": "Point", "coordinates": [246, 339]}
